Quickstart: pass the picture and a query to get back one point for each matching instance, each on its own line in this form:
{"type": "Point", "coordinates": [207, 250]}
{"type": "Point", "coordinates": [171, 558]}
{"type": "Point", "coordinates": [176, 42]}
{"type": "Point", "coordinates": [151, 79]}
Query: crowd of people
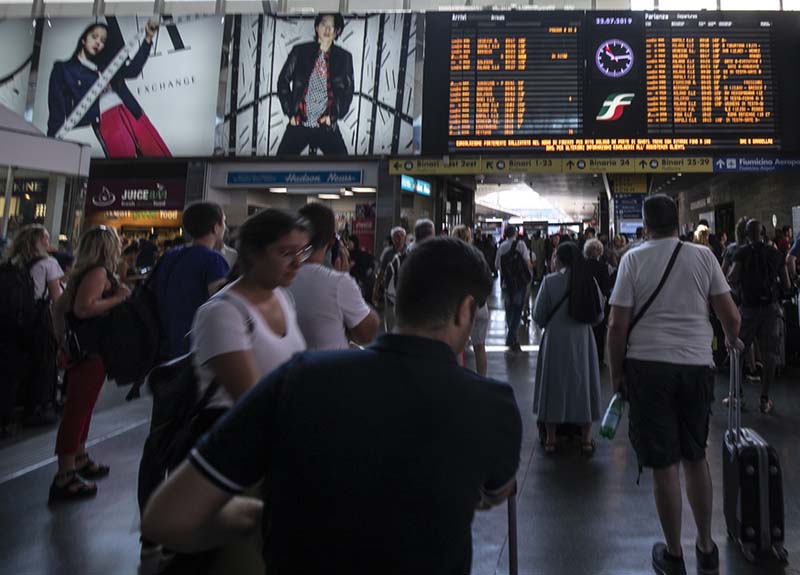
{"type": "Point", "coordinates": [310, 427]}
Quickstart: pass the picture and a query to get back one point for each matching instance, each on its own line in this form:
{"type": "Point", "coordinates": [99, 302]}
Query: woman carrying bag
{"type": "Point", "coordinates": [92, 293]}
{"type": "Point", "coordinates": [567, 388]}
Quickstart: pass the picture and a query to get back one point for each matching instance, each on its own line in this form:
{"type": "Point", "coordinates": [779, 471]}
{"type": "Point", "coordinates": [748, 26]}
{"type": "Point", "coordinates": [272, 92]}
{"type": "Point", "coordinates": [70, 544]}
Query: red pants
{"type": "Point", "coordinates": [126, 137]}
{"type": "Point", "coordinates": [85, 381]}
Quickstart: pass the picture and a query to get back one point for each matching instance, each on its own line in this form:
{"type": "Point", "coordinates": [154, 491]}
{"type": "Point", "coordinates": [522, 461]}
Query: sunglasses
{"type": "Point", "coordinates": [302, 254]}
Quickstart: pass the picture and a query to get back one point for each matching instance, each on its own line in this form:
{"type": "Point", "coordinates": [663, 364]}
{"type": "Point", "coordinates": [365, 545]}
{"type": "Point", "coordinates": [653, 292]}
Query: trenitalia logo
{"type": "Point", "coordinates": [614, 106]}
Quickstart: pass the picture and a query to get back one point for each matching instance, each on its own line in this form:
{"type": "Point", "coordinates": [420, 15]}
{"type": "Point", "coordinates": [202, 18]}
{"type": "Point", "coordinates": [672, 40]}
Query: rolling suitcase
{"type": "Point", "coordinates": [752, 484]}
{"type": "Point", "coordinates": [513, 562]}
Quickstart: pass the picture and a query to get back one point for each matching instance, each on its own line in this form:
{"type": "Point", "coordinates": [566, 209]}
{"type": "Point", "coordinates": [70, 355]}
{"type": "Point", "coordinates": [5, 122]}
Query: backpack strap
{"type": "Point", "coordinates": [652, 298]}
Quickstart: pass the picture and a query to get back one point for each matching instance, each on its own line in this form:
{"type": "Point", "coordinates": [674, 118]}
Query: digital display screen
{"type": "Point", "coordinates": [600, 82]}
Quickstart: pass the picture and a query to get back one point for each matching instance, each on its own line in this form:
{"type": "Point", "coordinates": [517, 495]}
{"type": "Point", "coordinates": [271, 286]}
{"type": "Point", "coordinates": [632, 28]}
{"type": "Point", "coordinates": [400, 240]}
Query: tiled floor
{"type": "Point", "coordinates": [576, 516]}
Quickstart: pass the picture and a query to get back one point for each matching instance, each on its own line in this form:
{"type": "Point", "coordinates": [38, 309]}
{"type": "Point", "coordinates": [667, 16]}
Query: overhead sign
{"type": "Point", "coordinates": [298, 178]}
{"type": "Point", "coordinates": [435, 167]}
{"type": "Point", "coordinates": [521, 165]}
{"type": "Point", "coordinates": [630, 183]}
{"type": "Point", "coordinates": [582, 165]}
{"type": "Point", "coordinates": [757, 164]}
{"type": "Point", "coordinates": [410, 184]}
{"type": "Point", "coordinates": [628, 206]}
{"type": "Point", "coordinates": [115, 195]}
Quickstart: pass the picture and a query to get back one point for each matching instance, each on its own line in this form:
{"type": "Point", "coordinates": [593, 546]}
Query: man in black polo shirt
{"type": "Point", "coordinates": [375, 459]}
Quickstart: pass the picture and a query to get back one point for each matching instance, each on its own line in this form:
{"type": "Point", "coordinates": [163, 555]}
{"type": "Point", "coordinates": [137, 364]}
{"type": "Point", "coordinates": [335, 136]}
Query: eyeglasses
{"type": "Point", "coordinates": [302, 254]}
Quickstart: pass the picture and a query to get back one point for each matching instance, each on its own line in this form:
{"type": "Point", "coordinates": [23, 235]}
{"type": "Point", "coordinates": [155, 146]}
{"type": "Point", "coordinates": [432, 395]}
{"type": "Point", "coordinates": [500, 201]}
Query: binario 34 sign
{"type": "Point", "coordinates": [134, 194]}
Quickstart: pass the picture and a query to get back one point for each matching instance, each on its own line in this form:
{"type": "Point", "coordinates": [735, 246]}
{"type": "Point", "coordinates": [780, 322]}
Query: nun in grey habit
{"type": "Point", "coordinates": [567, 388]}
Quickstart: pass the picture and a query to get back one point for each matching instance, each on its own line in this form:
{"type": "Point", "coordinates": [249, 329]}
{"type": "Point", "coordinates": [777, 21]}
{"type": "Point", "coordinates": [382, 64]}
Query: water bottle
{"type": "Point", "coordinates": [612, 417]}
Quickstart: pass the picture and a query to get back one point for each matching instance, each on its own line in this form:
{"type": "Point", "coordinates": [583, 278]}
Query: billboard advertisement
{"type": "Point", "coordinates": [332, 85]}
{"type": "Point", "coordinates": [15, 63]}
{"type": "Point", "coordinates": [131, 86]}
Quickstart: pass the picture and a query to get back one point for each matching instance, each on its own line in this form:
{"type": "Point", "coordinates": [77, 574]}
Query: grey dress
{"type": "Point", "coordinates": [567, 386]}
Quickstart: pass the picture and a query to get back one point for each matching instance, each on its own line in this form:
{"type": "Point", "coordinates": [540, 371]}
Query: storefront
{"type": "Point", "coordinates": [140, 204]}
{"type": "Point", "coordinates": [348, 188]}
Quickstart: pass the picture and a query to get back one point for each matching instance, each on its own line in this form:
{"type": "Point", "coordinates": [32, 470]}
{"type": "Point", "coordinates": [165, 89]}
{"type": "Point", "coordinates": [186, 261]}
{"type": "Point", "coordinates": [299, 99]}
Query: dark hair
{"type": "Point", "coordinates": [338, 22]}
{"type": "Point", "coordinates": [660, 215]}
{"type": "Point", "coordinates": [64, 260]}
{"type": "Point", "coordinates": [510, 231]}
{"type": "Point", "coordinates": [590, 230]}
{"type": "Point", "coordinates": [323, 224]}
{"type": "Point", "coordinates": [754, 231]}
{"type": "Point", "coordinates": [130, 249]}
{"type": "Point", "coordinates": [356, 243]}
{"type": "Point", "coordinates": [200, 218]}
{"type": "Point", "coordinates": [86, 33]}
{"type": "Point", "coordinates": [584, 305]}
{"type": "Point", "coordinates": [262, 229]}
{"type": "Point", "coordinates": [436, 277]}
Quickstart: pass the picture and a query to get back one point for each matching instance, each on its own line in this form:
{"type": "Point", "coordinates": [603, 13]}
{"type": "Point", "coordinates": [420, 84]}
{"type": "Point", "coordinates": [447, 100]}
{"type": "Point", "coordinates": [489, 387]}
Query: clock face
{"type": "Point", "coordinates": [614, 58]}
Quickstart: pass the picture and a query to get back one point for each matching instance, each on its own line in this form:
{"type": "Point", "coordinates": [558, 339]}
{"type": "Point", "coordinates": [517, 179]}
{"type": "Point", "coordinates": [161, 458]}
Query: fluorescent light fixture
{"type": "Point", "coordinates": [278, 190]}
{"type": "Point", "coordinates": [515, 221]}
{"type": "Point", "coordinates": [494, 220]}
{"type": "Point", "coordinates": [347, 193]}
{"type": "Point", "coordinates": [363, 190]}
{"type": "Point", "coordinates": [328, 196]}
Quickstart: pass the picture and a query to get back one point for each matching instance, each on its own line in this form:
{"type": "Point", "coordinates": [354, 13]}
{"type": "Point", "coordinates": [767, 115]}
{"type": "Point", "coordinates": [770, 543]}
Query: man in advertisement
{"type": "Point", "coordinates": [315, 88]}
{"type": "Point", "coordinates": [118, 121]}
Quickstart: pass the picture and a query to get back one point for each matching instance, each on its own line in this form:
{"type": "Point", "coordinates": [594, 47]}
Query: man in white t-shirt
{"type": "Point", "coordinates": [330, 308]}
{"type": "Point", "coordinates": [663, 363]}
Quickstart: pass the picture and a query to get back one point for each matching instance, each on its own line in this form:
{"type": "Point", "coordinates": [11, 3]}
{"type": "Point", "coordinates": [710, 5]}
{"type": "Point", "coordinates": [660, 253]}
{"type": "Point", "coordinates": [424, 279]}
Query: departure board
{"type": "Point", "coordinates": [709, 72]}
{"type": "Point", "coordinates": [605, 82]}
{"type": "Point", "coordinates": [512, 80]}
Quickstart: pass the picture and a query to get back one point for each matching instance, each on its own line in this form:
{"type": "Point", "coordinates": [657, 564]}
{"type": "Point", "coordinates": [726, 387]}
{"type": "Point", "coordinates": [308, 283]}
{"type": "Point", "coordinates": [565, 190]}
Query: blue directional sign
{"type": "Point", "coordinates": [298, 178]}
{"type": "Point", "coordinates": [415, 185]}
{"type": "Point", "coordinates": [755, 164]}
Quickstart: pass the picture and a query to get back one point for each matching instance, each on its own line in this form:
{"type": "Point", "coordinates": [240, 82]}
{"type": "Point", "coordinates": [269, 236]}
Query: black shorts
{"type": "Point", "coordinates": [670, 407]}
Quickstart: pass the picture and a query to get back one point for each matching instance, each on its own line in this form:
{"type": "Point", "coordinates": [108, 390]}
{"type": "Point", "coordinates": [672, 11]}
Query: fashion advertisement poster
{"type": "Point", "coordinates": [16, 53]}
{"type": "Point", "coordinates": [131, 86]}
{"type": "Point", "coordinates": [327, 85]}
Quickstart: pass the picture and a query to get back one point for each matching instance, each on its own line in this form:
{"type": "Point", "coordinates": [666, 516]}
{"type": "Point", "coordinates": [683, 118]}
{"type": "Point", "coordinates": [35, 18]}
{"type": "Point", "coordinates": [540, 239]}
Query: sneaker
{"type": "Point", "coordinates": [766, 405]}
{"type": "Point", "coordinates": [707, 563]}
{"type": "Point", "coordinates": [666, 564]}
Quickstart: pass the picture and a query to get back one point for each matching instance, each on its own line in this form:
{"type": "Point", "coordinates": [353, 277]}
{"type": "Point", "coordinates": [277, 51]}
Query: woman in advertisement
{"type": "Point", "coordinates": [315, 88]}
{"type": "Point", "coordinates": [120, 124]}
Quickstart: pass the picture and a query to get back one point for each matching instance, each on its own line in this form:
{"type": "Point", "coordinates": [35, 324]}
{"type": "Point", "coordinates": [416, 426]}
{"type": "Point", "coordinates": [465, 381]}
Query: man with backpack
{"type": "Point", "coordinates": [759, 272]}
{"type": "Point", "coordinates": [514, 264]}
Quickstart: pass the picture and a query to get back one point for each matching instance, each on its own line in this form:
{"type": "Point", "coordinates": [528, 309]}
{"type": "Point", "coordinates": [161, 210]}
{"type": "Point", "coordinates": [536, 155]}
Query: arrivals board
{"type": "Point", "coordinates": [610, 82]}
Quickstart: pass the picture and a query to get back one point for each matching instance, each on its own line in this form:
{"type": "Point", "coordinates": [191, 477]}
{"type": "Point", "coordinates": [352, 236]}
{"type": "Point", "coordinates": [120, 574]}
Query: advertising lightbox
{"type": "Point", "coordinates": [130, 87]}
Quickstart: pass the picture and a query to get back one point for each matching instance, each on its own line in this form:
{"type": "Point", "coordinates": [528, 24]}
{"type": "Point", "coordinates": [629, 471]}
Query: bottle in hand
{"type": "Point", "coordinates": [612, 417]}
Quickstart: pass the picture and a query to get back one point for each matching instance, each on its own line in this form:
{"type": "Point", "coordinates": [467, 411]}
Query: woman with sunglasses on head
{"type": "Point", "coordinates": [91, 293]}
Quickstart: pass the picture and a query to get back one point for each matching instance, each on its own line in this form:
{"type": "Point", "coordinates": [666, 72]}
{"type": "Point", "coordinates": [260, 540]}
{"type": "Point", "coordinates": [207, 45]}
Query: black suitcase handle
{"type": "Point", "coordinates": [734, 394]}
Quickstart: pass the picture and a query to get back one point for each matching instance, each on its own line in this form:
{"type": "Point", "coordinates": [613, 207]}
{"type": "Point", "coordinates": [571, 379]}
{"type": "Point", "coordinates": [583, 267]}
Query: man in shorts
{"type": "Point", "coordinates": [663, 365]}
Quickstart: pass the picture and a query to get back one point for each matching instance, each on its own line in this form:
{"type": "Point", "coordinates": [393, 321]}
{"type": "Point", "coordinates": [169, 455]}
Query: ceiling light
{"type": "Point", "coordinates": [679, 174]}
{"type": "Point", "coordinates": [363, 190]}
{"type": "Point", "coordinates": [347, 193]}
{"type": "Point", "coordinates": [328, 196]}
{"type": "Point", "coordinates": [278, 190]}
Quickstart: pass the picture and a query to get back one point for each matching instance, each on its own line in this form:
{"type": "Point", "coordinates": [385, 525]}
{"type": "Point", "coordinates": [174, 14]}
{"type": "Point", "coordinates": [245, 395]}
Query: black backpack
{"type": "Point", "coordinates": [130, 335]}
{"type": "Point", "coordinates": [514, 271]}
{"type": "Point", "coordinates": [18, 303]}
{"type": "Point", "coordinates": [759, 277]}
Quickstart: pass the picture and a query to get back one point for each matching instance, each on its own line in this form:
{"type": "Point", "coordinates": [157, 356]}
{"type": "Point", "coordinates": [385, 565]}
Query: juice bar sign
{"type": "Point", "coordinates": [135, 195]}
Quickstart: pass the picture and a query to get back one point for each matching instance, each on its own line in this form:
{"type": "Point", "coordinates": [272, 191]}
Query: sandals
{"type": "Point", "coordinates": [75, 488]}
{"type": "Point", "coordinates": [90, 469]}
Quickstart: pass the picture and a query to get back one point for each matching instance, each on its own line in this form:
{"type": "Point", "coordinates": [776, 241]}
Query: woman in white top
{"type": "Point", "coordinates": [250, 327]}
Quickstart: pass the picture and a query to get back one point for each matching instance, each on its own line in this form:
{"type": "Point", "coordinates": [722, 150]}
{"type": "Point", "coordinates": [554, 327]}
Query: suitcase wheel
{"type": "Point", "coordinates": [781, 553]}
{"type": "Point", "coordinates": [748, 552]}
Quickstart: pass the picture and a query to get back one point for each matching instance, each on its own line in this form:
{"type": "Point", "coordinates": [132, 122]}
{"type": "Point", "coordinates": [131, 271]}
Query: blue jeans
{"type": "Point", "coordinates": [514, 302]}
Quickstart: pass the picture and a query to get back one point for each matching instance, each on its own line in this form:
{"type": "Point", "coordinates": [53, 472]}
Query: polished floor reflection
{"type": "Point", "coordinates": [576, 516]}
